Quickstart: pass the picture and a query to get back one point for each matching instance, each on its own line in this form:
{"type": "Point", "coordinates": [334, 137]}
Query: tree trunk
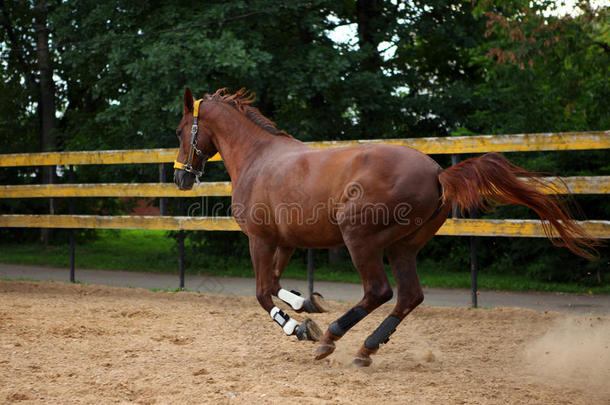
{"type": "Point", "coordinates": [369, 17]}
{"type": "Point", "coordinates": [46, 100]}
{"type": "Point", "coordinates": [368, 14]}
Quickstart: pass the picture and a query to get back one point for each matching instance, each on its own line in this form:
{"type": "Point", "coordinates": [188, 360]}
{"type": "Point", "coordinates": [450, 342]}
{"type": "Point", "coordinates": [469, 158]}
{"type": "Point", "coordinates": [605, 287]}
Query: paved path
{"type": "Point", "coordinates": [572, 303]}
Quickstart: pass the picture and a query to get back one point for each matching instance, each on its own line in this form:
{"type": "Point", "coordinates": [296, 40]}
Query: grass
{"type": "Point", "coordinates": [131, 250]}
{"type": "Point", "coordinates": [154, 251]}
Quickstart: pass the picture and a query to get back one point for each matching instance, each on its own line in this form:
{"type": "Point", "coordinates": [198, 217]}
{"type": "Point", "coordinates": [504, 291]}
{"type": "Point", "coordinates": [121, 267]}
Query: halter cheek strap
{"type": "Point", "coordinates": [187, 167]}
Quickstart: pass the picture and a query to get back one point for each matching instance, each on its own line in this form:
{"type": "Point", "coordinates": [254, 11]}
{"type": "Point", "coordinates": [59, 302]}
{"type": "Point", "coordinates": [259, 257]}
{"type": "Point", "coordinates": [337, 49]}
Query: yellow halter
{"type": "Point", "coordinates": [187, 166]}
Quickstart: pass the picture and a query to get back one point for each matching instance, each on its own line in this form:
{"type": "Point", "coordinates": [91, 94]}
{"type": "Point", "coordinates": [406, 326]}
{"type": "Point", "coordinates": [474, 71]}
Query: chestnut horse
{"type": "Point", "coordinates": [287, 194]}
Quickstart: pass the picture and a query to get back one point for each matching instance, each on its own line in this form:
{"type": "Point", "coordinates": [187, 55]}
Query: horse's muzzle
{"type": "Point", "coordinates": [183, 179]}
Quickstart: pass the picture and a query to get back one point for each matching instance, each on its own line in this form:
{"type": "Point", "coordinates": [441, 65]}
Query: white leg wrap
{"type": "Point", "coordinates": [285, 321]}
{"type": "Point", "coordinates": [290, 326]}
{"type": "Point", "coordinates": [291, 299]}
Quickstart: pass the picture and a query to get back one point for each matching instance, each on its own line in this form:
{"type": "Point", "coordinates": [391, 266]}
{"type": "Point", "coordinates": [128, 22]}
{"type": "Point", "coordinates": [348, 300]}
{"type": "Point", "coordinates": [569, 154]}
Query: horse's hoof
{"type": "Point", "coordinates": [309, 330]}
{"type": "Point", "coordinates": [362, 361]}
{"type": "Point", "coordinates": [315, 304]}
{"type": "Point", "coordinates": [324, 350]}
{"type": "Point", "coordinates": [363, 357]}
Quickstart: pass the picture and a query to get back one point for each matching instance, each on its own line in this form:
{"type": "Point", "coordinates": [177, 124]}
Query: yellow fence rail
{"type": "Point", "coordinates": [455, 227]}
{"type": "Point", "coordinates": [211, 189]}
{"type": "Point", "coordinates": [575, 185]}
{"type": "Point", "coordinates": [166, 223]}
{"type": "Point", "coordinates": [513, 228]}
{"type": "Point", "coordinates": [469, 144]}
{"type": "Point", "coordinates": [443, 145]}
{"type": "Point", "coordinates": [592, 140]}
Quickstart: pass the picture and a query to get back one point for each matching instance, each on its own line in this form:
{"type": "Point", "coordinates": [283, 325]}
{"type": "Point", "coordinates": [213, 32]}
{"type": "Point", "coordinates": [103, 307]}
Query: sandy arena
{"type": "Point", "coordinates": [62, 343]}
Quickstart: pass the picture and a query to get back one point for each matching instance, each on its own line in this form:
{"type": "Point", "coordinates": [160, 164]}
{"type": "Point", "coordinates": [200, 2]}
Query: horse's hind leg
{"type": "Point", "coordinates": [410, 295]}
{"type": "Point", "coordinates": [377, 290]}
{"type": "Point", "coordinates": [402, 255]}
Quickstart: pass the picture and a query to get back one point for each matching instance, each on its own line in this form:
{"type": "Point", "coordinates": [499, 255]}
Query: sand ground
{"type": "Point", "coordinates": [62, 343]}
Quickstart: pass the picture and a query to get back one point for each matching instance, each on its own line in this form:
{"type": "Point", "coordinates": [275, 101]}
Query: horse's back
{"type": "Point", "coordinates": [307, 189]}
{"type": "Point", "coordinates": [397, 172]}
{"type": "Point", "coordinates": [380, 172]}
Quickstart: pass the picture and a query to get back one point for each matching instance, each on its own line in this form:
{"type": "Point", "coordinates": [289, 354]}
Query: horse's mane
{"type": "Point", "coordinates": [241, 102]}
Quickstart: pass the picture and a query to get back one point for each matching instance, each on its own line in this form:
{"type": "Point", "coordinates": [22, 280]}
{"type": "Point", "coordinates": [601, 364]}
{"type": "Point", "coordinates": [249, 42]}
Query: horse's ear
{"type": "Point", "coordinates": [188, 101]}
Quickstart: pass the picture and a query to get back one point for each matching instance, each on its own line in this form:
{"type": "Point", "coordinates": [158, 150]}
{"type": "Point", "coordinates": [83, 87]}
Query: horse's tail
{"type": "Point", "coordinates": [491, 179]}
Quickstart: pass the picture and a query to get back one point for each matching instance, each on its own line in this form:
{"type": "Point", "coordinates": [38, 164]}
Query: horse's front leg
{"type": "Point", "coordinates": [269, 262]}
{"type": "Point", "coordinates": [313, 304]}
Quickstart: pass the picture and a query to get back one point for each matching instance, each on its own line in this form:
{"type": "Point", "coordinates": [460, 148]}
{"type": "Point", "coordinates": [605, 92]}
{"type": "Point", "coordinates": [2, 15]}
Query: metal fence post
{"type": "Point", "coordinates": [474, 244]}
{"type": "Point", "coordinates": [474, 263]}
{"type": "Point", "coordinates": [162, 200]}
{"type": "Point", "coordinates": [181, 245]}
{"type": "Point", "coordinates": [455, 212]}
{"type": "Point", "coordinates": [474, 269]}
{"type": "Point", "coordinates": [72, 232]}
{"type": "Point", "coordinates": [310, 270]}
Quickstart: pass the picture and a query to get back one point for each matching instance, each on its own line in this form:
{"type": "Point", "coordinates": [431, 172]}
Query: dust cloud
{"type": "Point", "coordinates": [573, 352]}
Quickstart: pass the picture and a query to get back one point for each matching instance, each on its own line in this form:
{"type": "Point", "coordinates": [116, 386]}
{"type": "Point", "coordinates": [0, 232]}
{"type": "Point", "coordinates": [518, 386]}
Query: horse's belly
{"type": "Point", "coordinates": [296, 231]}
{"type": "Point", "coordinates": [319, 235]}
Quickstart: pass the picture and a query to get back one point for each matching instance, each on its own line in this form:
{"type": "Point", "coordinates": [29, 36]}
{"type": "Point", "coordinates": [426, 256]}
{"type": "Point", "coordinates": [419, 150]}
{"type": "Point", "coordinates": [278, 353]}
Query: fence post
{"type": "Point", "coordinates": [474, 264]}
{"type": "Point", "coordinates": [72, 241]}
{"type": "Point", "coordinates": [162, 200]}
{"type": "Point", "coordinates": [474, 245]}
{"type": "Point", "coordinates": [181, 245]}
{"type": "Point", "coordinates": [310, 271]}
{"type": "Point", "coordinates": [455, 213]}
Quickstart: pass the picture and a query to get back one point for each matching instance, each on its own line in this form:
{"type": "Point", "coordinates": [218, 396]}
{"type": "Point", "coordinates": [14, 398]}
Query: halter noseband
{"type": "Point", "coordinates": [187, 167]}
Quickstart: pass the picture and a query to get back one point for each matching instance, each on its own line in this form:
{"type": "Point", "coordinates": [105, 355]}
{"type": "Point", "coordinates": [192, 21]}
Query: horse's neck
{"type": "Point", "coordinates": [238, 140]}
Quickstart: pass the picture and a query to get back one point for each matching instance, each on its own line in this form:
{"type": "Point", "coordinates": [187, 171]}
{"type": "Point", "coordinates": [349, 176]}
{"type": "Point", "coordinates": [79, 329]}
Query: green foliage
{"type": "Point", "coordinates": [449, 68]}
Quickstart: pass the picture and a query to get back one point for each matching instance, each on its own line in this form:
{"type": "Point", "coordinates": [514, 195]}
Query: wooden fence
{"type": "Point", "coordinates": [449, 145]}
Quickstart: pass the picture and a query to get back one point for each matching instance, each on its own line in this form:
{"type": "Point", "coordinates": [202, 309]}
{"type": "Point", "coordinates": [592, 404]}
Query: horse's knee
{"type": "Point", "coordinates": [386, 293]}
{"type": "Point", "coordinates": [417, 299]}
{"type": "Point", "coordinates": [264, 299]}
{"type": "Point", "coordinates": [379, 295]}
{"type": "Point", "coordinates": [409, 302]}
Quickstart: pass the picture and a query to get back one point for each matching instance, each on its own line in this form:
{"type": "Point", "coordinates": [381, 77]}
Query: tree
{"type": "Point", "coordinates": [46, 86]}
{"type": "Point", "coordinates": [417, 68]}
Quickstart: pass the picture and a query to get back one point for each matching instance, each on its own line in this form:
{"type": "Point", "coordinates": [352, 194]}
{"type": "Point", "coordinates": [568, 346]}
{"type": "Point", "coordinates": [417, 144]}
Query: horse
{"type": "Point", "coordinates": [289, 195]}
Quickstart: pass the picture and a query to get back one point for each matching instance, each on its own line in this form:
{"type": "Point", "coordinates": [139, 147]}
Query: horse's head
{"type": "Point", "coordinates": [196, 145]}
